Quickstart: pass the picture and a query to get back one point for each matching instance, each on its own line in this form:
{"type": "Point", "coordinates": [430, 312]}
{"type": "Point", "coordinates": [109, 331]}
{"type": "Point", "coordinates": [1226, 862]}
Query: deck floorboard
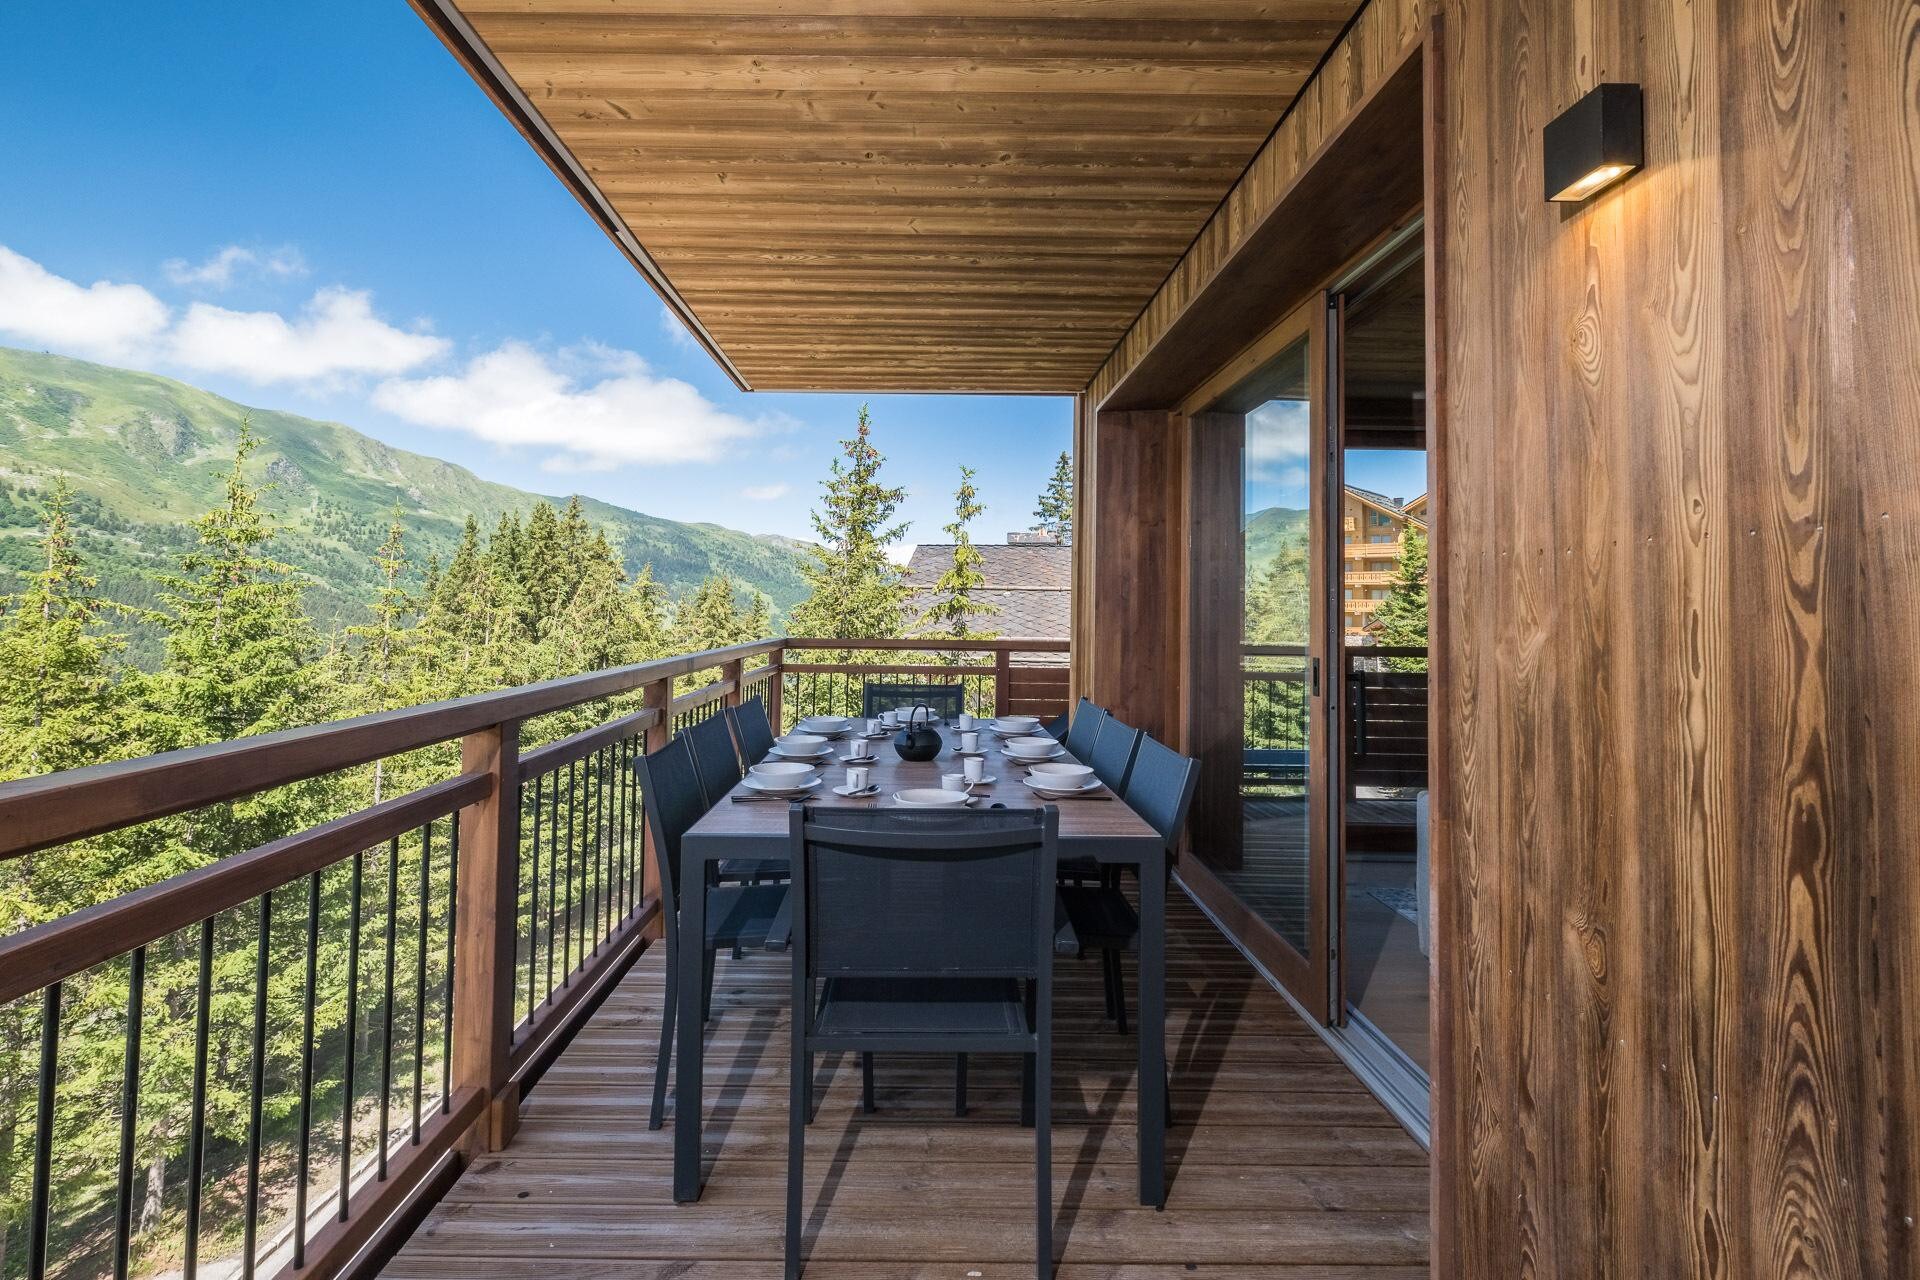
{"type": "Point", "coordinates": [1281, 1164]}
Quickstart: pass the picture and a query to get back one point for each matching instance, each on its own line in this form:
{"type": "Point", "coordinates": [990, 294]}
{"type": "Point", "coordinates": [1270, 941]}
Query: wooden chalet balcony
{"type": "Point", "coordinates": [419, 1033]}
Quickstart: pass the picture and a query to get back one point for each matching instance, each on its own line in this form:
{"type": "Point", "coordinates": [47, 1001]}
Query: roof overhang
{"type": "Point", "coordinates": [897, 195]}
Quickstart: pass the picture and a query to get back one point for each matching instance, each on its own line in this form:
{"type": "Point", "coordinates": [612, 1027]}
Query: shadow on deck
{"type": "Point", "coordinates": [1280, 1164]}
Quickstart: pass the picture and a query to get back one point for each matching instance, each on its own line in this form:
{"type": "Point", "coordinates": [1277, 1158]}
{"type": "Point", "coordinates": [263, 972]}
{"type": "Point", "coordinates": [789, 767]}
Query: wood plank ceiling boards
{"type": "Point", "coordinates": [932, 195]}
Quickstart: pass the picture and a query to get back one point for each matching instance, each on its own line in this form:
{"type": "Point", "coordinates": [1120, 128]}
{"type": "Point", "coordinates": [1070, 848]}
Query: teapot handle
{"type": "Point", "coordinates": [914, 715]}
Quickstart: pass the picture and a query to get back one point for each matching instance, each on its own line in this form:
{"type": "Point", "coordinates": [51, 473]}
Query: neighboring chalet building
{"type": "Point", "coordinates": [1372, 528]}
{"type": "Point", "coordinates": [1029, 586]}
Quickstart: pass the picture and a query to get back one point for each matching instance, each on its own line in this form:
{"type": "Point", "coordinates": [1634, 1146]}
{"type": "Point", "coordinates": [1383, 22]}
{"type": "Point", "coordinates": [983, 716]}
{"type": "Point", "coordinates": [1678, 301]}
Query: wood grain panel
{"type": "Point", "coordinates": [1380, 40]}
{"type": "Point", "coordinates": [1133, 645]}
{"type": "Point", "coordinates": [1680, 645]}
{"type": "Point", "coordinates": [809, 143]}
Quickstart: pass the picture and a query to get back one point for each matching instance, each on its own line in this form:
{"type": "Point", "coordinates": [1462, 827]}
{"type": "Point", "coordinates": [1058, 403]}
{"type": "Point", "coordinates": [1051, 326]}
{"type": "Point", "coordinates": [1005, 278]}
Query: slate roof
{"type": "Point", "coordinates": [1030, 584]}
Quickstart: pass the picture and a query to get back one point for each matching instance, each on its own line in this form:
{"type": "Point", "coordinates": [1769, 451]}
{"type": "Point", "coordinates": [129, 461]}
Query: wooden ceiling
{"type": "Point", "coordinates": [933, 195]}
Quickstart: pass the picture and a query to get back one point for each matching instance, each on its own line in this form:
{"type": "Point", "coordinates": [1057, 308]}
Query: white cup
{"type": "Point", "coordinates": [873, 726]}
{"type": "Point", "coordinates": [969, 740]}
{"type": "Point", "coordinates": [888, 719]}
{"type": "Point", "coordinates": [857, 777]}
{"type": "Point", "coordinates": [954, 781]}
{"type": "Point", "coordinates": [965, 721]}
{"type": "Point", "coordinates": [975, 767]}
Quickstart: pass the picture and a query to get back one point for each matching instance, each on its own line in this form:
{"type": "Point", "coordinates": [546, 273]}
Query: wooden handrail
{"type": "Point", "coordinates": [933, 644]}
{"type": "Point", "coordinates": [558, 755]}
{"type": "Point", "coordinates": [47, 953]}
{"type": "Point", "coordinates": [37, 813]}
{"type": "Point", "coordinates": [697, 698]}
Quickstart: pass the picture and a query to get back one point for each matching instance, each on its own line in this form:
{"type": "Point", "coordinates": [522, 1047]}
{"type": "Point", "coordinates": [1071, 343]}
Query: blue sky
{"type": "Point", "coordinates": [313, 208]}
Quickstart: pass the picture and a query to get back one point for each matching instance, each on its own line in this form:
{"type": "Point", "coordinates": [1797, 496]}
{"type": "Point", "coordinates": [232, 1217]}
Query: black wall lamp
{"type": "Point", "coordinates": [1593, 143]}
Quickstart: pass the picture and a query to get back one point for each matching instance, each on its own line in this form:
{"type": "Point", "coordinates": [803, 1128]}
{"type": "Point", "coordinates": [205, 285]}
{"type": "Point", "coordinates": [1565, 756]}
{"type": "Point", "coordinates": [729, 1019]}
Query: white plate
{"type": "Point", "coordinates": [871, 789]}
{"type": "Point", "coordinates": [819, 757]}
{"type": "Point", "coordinates": [754, 783]}
{"type": "Point", "coordinates": [828, 725]}
{"type": "Point", "coordinates": [1064, 788]}
{"type": "Point", "coordinates": [930, 798]}
{"type": "Point", "coordinates": [867, 759]}
{"type": "Point", "coordinates": [987, 781]}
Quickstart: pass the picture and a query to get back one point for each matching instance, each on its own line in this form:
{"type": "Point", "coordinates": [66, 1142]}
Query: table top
{"type": "Point", "coordinates": [1106, 827]}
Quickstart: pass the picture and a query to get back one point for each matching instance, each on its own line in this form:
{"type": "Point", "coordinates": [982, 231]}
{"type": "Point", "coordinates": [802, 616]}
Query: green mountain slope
{"type": "Point", "coordinates": [146, 454]}
{"type": "Point", "coordinates": [1270, 530]}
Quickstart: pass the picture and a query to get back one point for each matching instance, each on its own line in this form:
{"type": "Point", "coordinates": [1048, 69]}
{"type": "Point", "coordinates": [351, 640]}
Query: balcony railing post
{"type": "Point", "coordinates": [657, 696]}
{"type": "Point", "coordinates": [776, 688]}
{"type": "Point", "coordinates": [1002, 682]}
{"type": "Point", "coordinates": [484, 920]}
{"type": "Point", "coordinates": [732, 672]}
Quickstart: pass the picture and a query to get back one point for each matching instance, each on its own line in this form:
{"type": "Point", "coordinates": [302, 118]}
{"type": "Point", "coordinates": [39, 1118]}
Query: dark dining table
{"type": "Point", "coordinates": [1106, 830]}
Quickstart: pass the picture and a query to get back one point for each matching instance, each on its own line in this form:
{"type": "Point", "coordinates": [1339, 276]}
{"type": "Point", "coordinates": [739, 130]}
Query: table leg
{"type": "Point", "coordinates": [1153, 1034]}
{"type": "Point", "coordinates": [690, 964]}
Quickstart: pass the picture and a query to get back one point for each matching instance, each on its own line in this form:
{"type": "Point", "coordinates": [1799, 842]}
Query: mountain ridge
{"type": "Point", "coordinates": [145, 454]}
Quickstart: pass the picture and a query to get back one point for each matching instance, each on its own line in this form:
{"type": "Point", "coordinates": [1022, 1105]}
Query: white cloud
{"type": "Point", "coordinates": [1277, 435]}
{"type": "Point", "coordinates": [219, 270]}
{"type": "Point", "coordinates": [677, 333]}
{"type": "Point", "coordinates": [766, 492]}
{"type": "Point", "coordinates": [100, 321]}
{"type": "Point", "coordinates": [336, 334]}
{"type": "Point", "coordinates": [594, 407]}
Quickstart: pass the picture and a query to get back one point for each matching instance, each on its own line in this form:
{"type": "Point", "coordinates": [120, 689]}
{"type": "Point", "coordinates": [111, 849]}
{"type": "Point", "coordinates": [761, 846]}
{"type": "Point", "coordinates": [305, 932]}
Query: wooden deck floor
{"type": "Point", "coordinates": [1281, 1165]}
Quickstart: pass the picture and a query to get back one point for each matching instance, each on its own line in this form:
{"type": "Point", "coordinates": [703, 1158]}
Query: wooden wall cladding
{"type": "Point", "coordinates": [1128, 649]}
{"type": "Point", "coordinates": [1379, 42]}
{"type": "Point", "coordinates": [1680, 617]}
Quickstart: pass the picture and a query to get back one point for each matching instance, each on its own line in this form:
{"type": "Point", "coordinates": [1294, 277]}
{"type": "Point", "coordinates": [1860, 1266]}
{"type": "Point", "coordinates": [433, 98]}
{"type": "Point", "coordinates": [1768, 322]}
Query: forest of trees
{"type": "Point", "coordinates": [528, 600]}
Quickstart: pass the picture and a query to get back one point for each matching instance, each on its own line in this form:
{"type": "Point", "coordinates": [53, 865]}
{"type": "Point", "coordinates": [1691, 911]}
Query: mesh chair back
{"type": "Point", "coordinates": [1084, 732]}
{"type": "Point", "coordinates": [670, 792]}
{"type": "Point", "coordinates": [713, 756]}
{"type": "Point", "coordinates": [750, 726]}
{"type": "Point", "coordinates": [1160, 788]}
{"type": "Point", "coordinates": [1114, 751]}
{"type": "Point", "coordinates": [901, 894]}
{"type": "Point", "coordinates": [946, 701]}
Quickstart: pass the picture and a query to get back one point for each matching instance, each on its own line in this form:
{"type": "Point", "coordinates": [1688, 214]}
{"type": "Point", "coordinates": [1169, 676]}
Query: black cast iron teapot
{"type": "Point", "coordinates": [918, 740]}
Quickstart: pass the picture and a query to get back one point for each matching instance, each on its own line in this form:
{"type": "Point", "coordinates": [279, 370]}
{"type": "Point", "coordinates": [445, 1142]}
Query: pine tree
{"type": "Point", "coordinates": [1401, 619]}
{"type": "Point", "coordinates": [954, 608]}
{"type": "Point", "coordinates": [856, 592]}
{"type": "Point", "coordinates": [710, 617]}
{"type": "Point", "coordinates": [1055, 512]}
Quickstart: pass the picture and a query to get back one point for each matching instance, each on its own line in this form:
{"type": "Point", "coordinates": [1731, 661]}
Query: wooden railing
{"type": "Point", "coordinates": [1386, 720]}
{"type": "Point", "coordinates": [391, 981]}
{"type": "Point", "coordinates": [999, 677]}
{"type": "Point", "coordinates": [420, 960]}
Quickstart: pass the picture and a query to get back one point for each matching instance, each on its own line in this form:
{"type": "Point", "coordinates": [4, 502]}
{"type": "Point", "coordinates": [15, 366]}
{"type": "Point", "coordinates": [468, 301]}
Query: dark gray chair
{"type": "Point", "coordinates": [1084, 731]}
{"type": "Point", "coordinates": [1113, 753]}
{"type": "Point", "coordinates": [717, 763]}
{"type": "Point", "coordinates": [746, 915]}
{"type": "Point", "coordinates": [714, 756]}
{"type": "Point", "coordinates": [1056, 728]}
{"type": "Point", "coordinates": [1098, 917]}
{"type": "Point", "coordinates": [946, 701]}
{"type": "Point", "coordinates": [909, 937]}
{"type": "Point", "coordinates": [752, 730]}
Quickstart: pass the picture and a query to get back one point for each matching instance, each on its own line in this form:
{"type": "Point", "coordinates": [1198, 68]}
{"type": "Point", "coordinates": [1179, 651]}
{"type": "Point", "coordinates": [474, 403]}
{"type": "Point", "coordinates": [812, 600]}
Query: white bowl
{"type": "Point", "coordinates": [825, 724]}
{"type": "Point", "coordinates": [1016, 724]}
{"type": "Point", "coordinates": [801, 741]}
{"type": "Point", "coordinates": [1038, 748]}
{"type": "Point", "coordinates": [781, 771]}
{"type": "Point", "coordinates": [1063, 775]}
{"type": "Point", "coordinates": [930, 797]}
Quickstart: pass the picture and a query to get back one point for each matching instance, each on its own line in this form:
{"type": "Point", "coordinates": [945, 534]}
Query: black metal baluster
{"type": "Point", "coordinates": [453, 907]}
{"type": "Point", "coordinates": [386, 1019]}
{"type": "Point", "coordinates": [566, 953]}
{"type": "Point", "coordinates": [257, 1087]}
{"type": "Point", "coordinates": [603, 842]}
{"type": "Point", "coordinates": [353, 1034]}
{"type": "Point", "coordinates": [553, 881]}
{"type": "Point", "coordinates": [420, 977]}
{"type": "Point", "coordinates": [41, 1213]}
{"type": "Point", "coordinates": [533, 909]}
{"type": "Point", "coordinates": [590, 856]}
{"type": "Point", "coordinates": [197, 1119]}
{"type": "Point", "coordinates": [304, 1160]}
{"type": "Point", "coordinates": [129, 1110]}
